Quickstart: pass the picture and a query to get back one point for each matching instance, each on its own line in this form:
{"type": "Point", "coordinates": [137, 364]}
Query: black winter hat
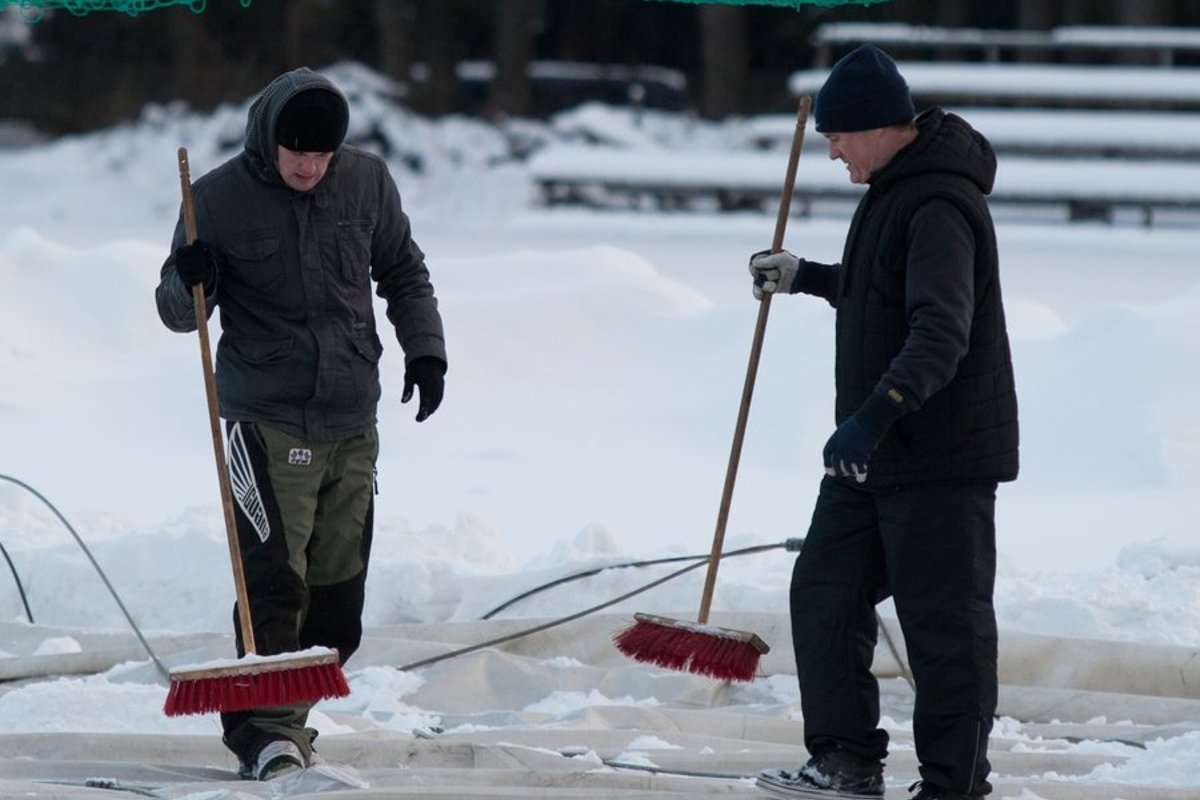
{"type": "Point", "coordinates": [864, 91]}
{"type": "Point", "coordinates": [313, 121]}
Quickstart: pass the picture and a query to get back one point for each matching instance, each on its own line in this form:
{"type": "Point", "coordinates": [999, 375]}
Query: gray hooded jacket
{"type": "Point", "coordinates": [299, 349]}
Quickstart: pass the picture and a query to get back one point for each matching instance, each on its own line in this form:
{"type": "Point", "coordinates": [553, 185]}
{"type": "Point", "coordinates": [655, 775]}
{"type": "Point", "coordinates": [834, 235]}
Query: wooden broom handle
{"type": "Point", "coordinates": [760, 327]}
{"type": "Point", "coordinates": [214, 415]}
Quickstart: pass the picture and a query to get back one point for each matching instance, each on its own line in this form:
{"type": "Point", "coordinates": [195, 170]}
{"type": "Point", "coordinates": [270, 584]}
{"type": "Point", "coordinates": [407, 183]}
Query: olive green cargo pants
{"type": "Point", "coordinates": [305, 513]}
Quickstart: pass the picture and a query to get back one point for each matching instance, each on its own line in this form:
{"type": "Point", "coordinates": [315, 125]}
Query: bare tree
{"type": "Point", "coordinates": [1036, 15]}
{"type": "Point", "coordinates": [589, 31]}
{"type": "Point", "coordinates": [724, 33]}
{"type": "Point", "coordinates": [517, 24]}
{"type": "Point", "coordinates": [418, 48]}
{"type": "Point", "coordinates": [1143, 13]}
{"type": "Point", "coordinates": [394, 24]}
{"type": "Point", "coordinates": [193, 52]}
{"type": "Point", "coordinates": [301, 30]}
{"type": "Point", "coordinates": [1078, 12]}
{"type": "Point", "coordinates": [952, 14]}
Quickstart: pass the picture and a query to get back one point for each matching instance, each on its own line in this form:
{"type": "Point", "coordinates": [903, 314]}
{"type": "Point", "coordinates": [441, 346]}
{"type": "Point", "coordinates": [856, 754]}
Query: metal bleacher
{"type": "Point", "coordinates": [1084, 142]}
{"type": "Point", "coordinates": [1163, 46]}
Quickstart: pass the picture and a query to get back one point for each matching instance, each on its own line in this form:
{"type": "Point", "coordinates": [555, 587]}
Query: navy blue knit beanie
{"type": "Point", "coordinates": [864, 91]}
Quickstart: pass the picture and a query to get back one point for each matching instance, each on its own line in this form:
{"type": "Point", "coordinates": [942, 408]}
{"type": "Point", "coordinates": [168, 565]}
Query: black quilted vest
{"type": "Point", "coordinates": [967, 430]}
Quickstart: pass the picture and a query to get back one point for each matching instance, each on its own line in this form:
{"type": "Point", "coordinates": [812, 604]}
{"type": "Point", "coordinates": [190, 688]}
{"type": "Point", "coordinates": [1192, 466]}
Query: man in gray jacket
{"type": "Point", "coordinates": [291, 233]}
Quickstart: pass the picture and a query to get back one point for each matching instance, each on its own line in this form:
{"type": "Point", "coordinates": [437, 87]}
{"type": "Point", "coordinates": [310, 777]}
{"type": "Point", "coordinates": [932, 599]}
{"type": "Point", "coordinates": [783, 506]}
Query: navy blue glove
{"type": "Point", "coordinates": [196, 263]}
{"type": "Point", "coordinates": [426, 373]}
{"type": "Point", "coordinates": [848, 451]}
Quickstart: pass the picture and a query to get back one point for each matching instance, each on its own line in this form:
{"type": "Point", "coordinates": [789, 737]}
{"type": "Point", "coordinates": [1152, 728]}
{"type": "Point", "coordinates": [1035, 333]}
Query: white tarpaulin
{"type": "Point", "coordinates": [562, 714]}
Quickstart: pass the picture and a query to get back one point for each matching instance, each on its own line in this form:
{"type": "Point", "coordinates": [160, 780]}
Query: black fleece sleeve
{"type": "Point", "coordinates": [817, 279]}
{"type": "Point", "coordinates": [940, 303]}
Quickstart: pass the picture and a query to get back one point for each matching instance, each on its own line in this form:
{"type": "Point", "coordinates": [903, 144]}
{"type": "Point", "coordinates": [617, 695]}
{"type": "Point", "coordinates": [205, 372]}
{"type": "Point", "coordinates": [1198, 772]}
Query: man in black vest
{"type": "Point", "coordinates": [926, 415]}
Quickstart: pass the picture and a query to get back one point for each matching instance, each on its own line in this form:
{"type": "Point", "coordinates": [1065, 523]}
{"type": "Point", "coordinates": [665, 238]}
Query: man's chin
{"type": "Point", "coordinates": [302, 186]}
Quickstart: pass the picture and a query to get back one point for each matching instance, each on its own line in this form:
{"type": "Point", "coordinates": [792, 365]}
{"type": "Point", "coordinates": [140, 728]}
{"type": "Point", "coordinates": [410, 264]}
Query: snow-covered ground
{"type": "Point", "coordinates": [596, 365]}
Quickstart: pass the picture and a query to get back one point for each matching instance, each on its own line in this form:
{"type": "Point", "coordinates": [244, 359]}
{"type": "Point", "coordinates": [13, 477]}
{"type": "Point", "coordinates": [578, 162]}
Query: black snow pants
{"type": "Point", "coordinates": [932, 548]}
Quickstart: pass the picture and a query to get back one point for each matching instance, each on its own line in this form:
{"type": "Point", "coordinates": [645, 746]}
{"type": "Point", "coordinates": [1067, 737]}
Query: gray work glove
{"type": "Point", "coordinates": [776, 272]}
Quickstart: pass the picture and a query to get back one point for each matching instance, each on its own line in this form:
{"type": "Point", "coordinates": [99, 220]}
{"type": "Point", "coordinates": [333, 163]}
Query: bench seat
{"type": "Point", "coordinates": [1068, 133]}
{"type": "Point", "coordinates": [1089, 188]}
{"type": "Point", "coordinates": [1042, 85]}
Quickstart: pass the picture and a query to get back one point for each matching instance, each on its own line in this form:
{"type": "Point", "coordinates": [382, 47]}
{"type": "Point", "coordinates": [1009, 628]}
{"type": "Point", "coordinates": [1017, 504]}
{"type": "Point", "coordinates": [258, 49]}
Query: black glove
{"type": "Point", "coordinates": [196, 263]}
{"type": "Point", "coordinates": [849, 449]}
{"type": "Point", "coordinates": [426, 373]}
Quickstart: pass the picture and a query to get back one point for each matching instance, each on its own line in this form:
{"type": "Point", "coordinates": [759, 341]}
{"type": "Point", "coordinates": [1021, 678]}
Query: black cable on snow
{"type": "Point", "coordinates": [553, 623]}
{"type": "Point", "coordinates": [137, 631]}
{"type": "Point", "coordinates": [686, 773]}
{"type": "Point", "coordinates": [585, 574]}
{"type": "Point", "coordinates": [17, 579]}
{"type": "Point", "coordinates": [792, 545]}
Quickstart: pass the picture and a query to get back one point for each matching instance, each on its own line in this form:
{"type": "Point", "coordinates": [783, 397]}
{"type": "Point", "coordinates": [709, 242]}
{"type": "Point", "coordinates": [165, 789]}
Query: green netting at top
{"type": "Point", "coordinates": [33, 9]}
{"type": "Point", "coordinates": [786, 3]}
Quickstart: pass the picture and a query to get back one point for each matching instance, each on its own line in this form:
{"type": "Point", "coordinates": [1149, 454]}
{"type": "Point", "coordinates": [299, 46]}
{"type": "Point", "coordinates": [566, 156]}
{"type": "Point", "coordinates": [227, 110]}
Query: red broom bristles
{"type": "Point", "coordinates": [719, 653]}
{"type": "Point", "coordinates": [242, 687]}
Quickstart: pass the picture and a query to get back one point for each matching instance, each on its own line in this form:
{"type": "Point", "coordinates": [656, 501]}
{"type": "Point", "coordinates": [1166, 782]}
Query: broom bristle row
{"type": "Point", "coordinates": [689, 650]}
{"type": "Point", "coordinates": [245, 690]}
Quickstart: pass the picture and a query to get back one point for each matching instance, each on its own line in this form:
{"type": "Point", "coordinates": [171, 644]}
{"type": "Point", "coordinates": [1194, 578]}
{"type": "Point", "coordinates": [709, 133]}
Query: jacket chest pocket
{"type": "Point", "coordinates": [256, 263]}
{"type": "Point", "coordinates": [354, 249]}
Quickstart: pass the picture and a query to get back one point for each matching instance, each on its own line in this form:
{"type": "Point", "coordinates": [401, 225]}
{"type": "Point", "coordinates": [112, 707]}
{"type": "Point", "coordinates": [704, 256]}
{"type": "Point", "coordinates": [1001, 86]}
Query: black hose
{"type": "Point", "coordinates": [791, 545]}
{"type": "Point", "coordinates": [553, 623]}
{"type": "Point", "coordinates": [17, 579]}
{"type": "Point", "coordinates": [587, 574]}
{"type": "Point", "coordinates": [687, 773]}
{"type": "Point", "coordinates": [137, 631]}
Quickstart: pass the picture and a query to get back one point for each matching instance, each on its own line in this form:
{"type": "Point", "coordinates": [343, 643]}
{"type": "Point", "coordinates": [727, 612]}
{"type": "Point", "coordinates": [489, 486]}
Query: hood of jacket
{"type": "Point", "coordinates": [945, 143]}
{"type": "Point", "coordinates": [260, 144]}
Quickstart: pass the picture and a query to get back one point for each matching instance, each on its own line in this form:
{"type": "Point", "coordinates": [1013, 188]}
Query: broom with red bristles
{"type": "Point", "coordinates": [698, 647]}
{"type": "Point", "coordinates": [252, 681]}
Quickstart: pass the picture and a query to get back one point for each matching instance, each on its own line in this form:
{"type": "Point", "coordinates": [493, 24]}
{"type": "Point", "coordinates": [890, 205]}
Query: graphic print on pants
{"type": "Point", "coordinates": [244, 486]}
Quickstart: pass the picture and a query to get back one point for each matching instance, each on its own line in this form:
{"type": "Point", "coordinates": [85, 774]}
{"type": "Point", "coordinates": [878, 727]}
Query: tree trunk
{"type": "Point", "coordinates": [516, 26]}
{"type": "Point", "coordinates": [440, 56]}
{"type": "Point", "coordinates": [1077, 12]}
{"type": "Point", "coordinates": [394, 23]}
{"type": "Point", "coordinates": [726, 60]}
{"type": "Point", "coordinates": [1035, 15]}
{"type": "Point", "coordinates": [296, 14]}
{"type": "Point", "coordinates": [954, 14]}
{"type": "Point", "coordinates": [1144, 13]}
{"type": "Point", "coordinates": [186, 75]}
{"type": "Point", "coordinates": [589, 31]}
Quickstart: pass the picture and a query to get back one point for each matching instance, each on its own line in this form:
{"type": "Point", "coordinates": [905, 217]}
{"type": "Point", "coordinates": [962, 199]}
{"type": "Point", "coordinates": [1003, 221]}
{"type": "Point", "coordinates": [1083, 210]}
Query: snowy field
{"type": "Point", "coordinates": [596, 364]}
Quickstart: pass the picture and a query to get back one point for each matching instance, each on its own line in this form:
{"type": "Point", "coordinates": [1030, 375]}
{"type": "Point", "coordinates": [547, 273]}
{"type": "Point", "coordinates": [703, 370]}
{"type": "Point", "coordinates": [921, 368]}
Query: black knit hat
{"type": "Point", "coordinates": [313, 121]}
{"type": "Point", "coordinates": [864, 91]}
